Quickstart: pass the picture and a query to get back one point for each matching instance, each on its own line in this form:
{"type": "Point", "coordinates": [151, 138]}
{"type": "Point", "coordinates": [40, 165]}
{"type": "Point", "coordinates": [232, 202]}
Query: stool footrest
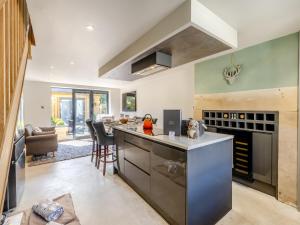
{"type": "Point", "coordinates": [109, 161]}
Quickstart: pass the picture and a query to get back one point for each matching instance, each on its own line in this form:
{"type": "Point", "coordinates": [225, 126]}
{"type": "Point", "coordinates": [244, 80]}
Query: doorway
{"type": "Point", "coordinates": [87, 104]}
{"type": "Point", "coordinates": [72, 107]}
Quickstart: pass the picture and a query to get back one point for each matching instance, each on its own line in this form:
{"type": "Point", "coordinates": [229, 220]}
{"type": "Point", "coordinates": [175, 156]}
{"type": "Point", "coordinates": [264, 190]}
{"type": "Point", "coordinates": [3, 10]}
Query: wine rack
{"type": "Point", "coordinates": [243, 125]}
{"type": "Point", "coordinates": [261, 121]}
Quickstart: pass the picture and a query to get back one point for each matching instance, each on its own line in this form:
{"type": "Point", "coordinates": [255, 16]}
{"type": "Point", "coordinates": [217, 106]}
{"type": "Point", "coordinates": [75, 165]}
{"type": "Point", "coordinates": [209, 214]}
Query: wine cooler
{"type": "Point", "coordinates": [255, 145]}
{"type": "Point", "coordinates": [242, 153]}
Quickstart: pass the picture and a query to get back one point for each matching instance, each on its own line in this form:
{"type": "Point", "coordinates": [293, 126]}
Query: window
{"type": "Point", "coordinates": [129, 102]}
{"type": "Point", "coordinates": [100, 104]}
{"type": "Point", "coordinates": [61, 106]}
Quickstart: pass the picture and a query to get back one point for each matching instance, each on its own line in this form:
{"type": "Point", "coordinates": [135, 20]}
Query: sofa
{"type": "Point", "coordinates": [40, 140]}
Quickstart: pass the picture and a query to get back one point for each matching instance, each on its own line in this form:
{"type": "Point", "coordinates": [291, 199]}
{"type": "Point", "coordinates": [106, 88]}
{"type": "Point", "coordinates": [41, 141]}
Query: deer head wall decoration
{"type": "Point", "coordinates": [231, 73]}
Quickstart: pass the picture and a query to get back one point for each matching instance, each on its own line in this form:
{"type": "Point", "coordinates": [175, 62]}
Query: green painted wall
{"type": "Point", "coordinates": [268, 65]}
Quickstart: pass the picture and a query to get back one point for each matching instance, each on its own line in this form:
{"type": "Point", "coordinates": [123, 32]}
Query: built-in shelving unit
{"type": "Point", "coordinates": [255, 145]}
{"type": "Point", "coordinates": [242, 120]}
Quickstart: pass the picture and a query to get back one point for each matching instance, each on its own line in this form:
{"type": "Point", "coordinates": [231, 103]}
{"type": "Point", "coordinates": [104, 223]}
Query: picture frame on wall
{"type": "Point", "coordinates": [129, 102]}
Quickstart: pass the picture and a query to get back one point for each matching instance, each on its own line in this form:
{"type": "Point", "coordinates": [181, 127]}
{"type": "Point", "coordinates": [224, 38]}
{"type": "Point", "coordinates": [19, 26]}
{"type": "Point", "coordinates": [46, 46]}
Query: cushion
{"type": "Point", "coordinates": [68, 217]}
{"type": "Point", "coordinates": [36, 133]}
{"type": "Point", "coordinates": [28, 130]}
{"type": "Point", "coordinates": [37, 129]}
{"type": "Point", "coordinates": [48, 209]}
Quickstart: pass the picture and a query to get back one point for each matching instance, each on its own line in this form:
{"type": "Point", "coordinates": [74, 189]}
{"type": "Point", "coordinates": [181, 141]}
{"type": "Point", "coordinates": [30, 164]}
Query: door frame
{"type": "Point", "coordinates": [298, 141]}
{"type": "Point", "coordinates": [91, 105]}
{"type": "Point", "coordinates": [74, 101]}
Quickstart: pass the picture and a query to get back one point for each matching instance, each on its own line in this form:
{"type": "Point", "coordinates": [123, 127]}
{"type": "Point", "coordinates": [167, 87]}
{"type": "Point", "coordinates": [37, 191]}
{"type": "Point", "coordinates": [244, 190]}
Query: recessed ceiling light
{"type": "Point", "coordinates": [90, 28]}
{"type": "Point", "coordinates": [72, 63]}
{"type": "Point", "coordinates": [51, 67]}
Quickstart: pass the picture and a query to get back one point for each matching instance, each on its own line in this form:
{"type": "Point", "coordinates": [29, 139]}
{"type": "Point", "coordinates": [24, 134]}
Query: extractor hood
{"type": "Point", "coordinates": [153, 63]}
{"type": "Point", "coordinates": [189, 33]}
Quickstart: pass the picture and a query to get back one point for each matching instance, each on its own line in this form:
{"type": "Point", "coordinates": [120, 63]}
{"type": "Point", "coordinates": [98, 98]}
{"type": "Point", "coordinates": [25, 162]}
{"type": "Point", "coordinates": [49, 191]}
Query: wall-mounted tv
{"type": "Point", "coordinates": [129, 102]}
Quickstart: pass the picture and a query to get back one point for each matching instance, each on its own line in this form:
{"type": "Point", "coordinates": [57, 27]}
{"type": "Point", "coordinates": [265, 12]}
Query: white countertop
{"type": "Point", "coordinates": [182, 142]}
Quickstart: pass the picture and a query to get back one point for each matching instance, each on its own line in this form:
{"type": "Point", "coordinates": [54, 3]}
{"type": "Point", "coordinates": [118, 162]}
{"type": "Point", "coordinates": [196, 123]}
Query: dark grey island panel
{"type": "Point", "coordinates": [209, 183]}
{"type": "Point", "coordinates": [187, 186]}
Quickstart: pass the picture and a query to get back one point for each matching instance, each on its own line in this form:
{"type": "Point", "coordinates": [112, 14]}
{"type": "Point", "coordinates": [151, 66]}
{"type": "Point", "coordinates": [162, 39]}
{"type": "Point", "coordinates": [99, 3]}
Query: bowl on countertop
{"type": "Point", "coordinates": [124, 120]}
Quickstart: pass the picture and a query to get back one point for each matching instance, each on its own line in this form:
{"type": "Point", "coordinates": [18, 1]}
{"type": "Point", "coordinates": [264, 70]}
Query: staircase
{"type": "Point", "coordinates": [16, 39]}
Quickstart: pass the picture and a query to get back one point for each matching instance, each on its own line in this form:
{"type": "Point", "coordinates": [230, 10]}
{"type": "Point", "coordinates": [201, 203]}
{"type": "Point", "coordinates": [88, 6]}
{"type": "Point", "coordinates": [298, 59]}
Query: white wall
{"type": "Point", "coordinates": [171, 89]}
{"type": "Point", "coordinates": [37, 101]}
{"type": "Point", "coordinates": [115, 105]}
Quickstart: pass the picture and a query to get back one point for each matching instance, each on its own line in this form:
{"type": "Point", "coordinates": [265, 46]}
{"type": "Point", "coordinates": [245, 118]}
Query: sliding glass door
{"type": "Point", "coordinates": [88, 105]}
{"type": "Point", "coordinates": [82, 112]}
{"type": "Point", "coordinates": [72, 107]}
{"type": "Point", "coordinates": [62, 112]}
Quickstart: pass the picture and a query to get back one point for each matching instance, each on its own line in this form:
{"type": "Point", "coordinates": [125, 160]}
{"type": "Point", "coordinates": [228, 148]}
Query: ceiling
{"type": "Point", "coordinates": [67, 52]}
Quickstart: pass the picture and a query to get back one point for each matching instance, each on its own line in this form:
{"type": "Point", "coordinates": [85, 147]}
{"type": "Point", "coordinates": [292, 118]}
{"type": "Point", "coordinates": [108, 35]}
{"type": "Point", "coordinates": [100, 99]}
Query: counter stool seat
{"type": "Point", "coordinates": [105, 140]}
{"type": "Point", "coordinates": [89, 124]}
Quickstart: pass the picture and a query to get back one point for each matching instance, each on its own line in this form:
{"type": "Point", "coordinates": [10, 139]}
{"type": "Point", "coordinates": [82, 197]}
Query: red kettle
{"type": "Point", "coordinates": [148, 122]}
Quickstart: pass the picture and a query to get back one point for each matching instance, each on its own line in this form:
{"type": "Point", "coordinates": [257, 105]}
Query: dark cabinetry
{"type": "Point", "coordinates": [139, 142]}
{"type": "Point", "coordinates": [138, 156]}
{"type": "Point", "coordinates": [155, 171]}
{"type": "Point", "coordinates": [137, 177]}
{"type": "Point", "coordinates": [180, 184]}
{"type": "Point", "coordinates": [133, 162]}
{"type": "Point", "coordinates": [120, 144]}
{"type": "Point", "coordinates": [168, 181]}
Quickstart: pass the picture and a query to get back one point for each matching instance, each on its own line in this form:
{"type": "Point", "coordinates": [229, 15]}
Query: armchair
{"type": "Point", "coordinates": [41, 141]}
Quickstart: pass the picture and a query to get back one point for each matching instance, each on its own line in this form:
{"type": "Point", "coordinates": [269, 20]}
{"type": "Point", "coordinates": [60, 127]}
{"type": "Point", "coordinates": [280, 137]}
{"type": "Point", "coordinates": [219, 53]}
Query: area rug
{"type": "Point", "coordinates": [66, 150]}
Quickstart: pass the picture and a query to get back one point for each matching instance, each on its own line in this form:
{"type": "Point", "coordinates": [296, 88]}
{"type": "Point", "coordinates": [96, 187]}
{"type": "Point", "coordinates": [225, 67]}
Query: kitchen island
{"type": "Point", "coordinates": [188, 181]}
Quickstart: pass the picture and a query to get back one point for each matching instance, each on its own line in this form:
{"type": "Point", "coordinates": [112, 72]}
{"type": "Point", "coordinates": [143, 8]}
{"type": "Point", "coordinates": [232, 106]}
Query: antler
{"type": "Point", "coordinates": [231, 73]}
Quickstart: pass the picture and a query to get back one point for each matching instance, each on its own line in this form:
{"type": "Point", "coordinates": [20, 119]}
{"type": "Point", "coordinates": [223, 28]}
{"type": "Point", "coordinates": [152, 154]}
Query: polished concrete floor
{"type": "Point", "coordinates": [109, 201]}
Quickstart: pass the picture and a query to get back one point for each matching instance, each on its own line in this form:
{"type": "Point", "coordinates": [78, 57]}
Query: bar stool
{"type": "Point", "coordinates": [89, 124]}
{"type": "Point", "coordinates": [105, 140]}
